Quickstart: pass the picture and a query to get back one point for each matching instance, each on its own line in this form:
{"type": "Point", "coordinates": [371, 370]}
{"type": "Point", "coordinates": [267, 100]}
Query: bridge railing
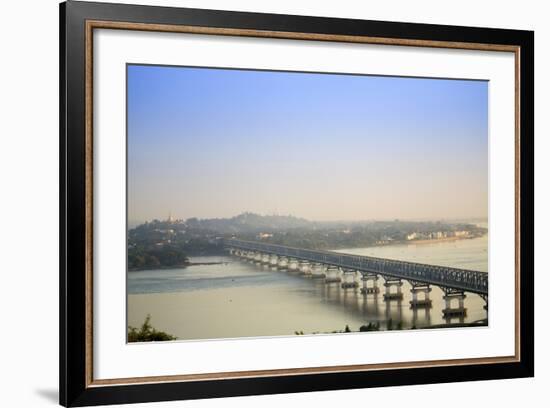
{"type": "Point", "coordinates": [448, 277]}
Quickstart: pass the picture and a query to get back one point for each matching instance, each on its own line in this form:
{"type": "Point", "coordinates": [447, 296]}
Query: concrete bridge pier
{"type": "Point", "coordinates": [266, 259]}
{"type": "Point", "coordinates": [366, 278]}
{"type": "Point", "coordinates": [303, 267]}
{"type": "Point", "coordinates": [448, 297]}
{"type": "Point", "coordinates": [417, 288]}
{"type": "Point", "coordinates": [251, 256]}
{"type": "Point", "coordinates": [332, 274]}
{"type": "Point", "coordinates": [317, 270]}
{"type": "Point", "coordinates": [389, 283]}
{"type": "Point", "coordinates": [273, 260]}
{"type": "Point", "coordinates": [292, 264]}
{"type": "Point", "coordinates": [282, 263]}
{"type": "Point", "coordinates": [349, 280]}
{"type": "Point", "coordinates": [258, 257]}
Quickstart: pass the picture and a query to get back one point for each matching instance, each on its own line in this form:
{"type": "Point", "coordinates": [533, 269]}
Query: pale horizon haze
{"type": "Point", "coordinates": [213, 143]}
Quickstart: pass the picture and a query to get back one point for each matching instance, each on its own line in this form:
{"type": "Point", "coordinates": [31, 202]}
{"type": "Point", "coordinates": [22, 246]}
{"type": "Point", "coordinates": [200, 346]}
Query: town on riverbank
{"type": "Point", "coordinates": [161, 244]}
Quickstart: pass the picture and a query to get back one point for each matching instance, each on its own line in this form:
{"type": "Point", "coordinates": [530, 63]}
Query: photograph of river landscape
{"type": "Point", "coordinates": [270, 203]}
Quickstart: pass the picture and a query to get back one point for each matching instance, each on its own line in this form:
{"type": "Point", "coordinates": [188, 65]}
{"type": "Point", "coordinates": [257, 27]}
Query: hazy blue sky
{"type": "Point", "coordinates": [215, 143]}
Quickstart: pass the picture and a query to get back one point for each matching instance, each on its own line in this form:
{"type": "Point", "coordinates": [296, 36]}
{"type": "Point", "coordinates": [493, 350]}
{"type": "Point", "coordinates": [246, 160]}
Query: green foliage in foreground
{"type": "Point", "coordinates": [147, 333]}
{"type": "Point", "coordinates": [370, 327]}
{"type": "Point", "coordinates": [391, 325]}
{"type": "Point", "coordinates": [364, 328]}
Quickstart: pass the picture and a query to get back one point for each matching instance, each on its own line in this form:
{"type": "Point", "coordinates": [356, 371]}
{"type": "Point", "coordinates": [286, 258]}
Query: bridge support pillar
{"type": "Point", "coordinates": [273, 260]}
{"type": "Point", "coordinates": [266, 259]}
{"type": "Point", "coordinates": [303, 267]}
{"type": "Point", "coordinates": [417, 288]}
{"type": "Point", "coordinates": [448, 297]}
{"type": "Point", "coordinates": [389, 283]}
{"type": "Point", "coordinates": [332, 274]}
{"type": "Point", "coordinates": [292, 264]}
{"type": "Point", "coordinates": [349, 279]}
{"type": "Point", "coordinates": [366, 278]}
{"type": "Point", "coordinates": [317, 270]}
{"type": "Point", "coordinates": [282, 263]}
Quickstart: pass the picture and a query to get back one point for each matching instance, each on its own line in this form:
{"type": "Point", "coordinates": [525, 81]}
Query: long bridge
{"type": "Point", "coordinates": [339, 267]}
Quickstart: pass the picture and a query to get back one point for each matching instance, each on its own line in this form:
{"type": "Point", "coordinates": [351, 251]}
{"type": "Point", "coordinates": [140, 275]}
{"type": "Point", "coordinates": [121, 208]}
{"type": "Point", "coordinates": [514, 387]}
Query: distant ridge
{"type": "Point", "coordinates": [249, 222]}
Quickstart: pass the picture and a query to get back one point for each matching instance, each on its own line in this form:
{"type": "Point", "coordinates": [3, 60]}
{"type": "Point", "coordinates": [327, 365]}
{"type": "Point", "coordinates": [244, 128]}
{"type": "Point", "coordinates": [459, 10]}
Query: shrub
{"type": "Point", "coordinates": [370, 327]}
{"type": "Point", "coordinates": [147, 333]}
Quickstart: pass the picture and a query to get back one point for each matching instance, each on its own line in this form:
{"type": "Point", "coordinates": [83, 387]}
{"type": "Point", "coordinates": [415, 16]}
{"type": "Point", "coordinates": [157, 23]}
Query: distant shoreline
{"type": "Point", "coordinates": [150, 268]}
{"type": "Point", "coordinates": [411, 242]}
{"type": "Point", "coordinates": [431, 241]}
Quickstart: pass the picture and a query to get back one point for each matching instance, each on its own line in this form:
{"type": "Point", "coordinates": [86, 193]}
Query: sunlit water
{"type": "Point", "coordinates": [463, 253]}
{"type": "Point", "coordinates": [237, 298]}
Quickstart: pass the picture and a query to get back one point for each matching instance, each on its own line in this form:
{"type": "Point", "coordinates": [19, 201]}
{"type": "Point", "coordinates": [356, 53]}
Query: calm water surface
{"type": "Point", "coordinates": [237, 298]}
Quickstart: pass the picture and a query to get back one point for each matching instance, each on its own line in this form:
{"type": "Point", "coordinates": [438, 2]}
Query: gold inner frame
{"type": "Point", "coordinates": [93, 24]}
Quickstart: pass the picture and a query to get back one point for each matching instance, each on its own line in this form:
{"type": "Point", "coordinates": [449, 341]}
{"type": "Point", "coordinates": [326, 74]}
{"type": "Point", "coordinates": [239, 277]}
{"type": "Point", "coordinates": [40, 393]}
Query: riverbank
{"type": "Point", "coordinates": [394, 243]}
{"type": "Point", "coordinates": [398, 326]}
{"type": "Point", "coordinates": [436, 240]}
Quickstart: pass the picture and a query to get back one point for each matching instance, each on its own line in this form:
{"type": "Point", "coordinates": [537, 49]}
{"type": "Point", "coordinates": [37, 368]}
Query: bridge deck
{"type": "Point", "coordinates": [443, 276]}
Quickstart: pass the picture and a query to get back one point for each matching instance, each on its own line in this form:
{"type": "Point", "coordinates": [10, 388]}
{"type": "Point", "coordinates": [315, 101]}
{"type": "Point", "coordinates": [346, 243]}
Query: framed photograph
{"type": "Point", "coordinates": [256, 203]}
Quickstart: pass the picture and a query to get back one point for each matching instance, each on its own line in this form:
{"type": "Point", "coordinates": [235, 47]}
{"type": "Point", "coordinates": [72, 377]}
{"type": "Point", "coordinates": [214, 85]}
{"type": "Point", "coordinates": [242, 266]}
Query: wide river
{"type": "Point", "coordinates": [237, 298]}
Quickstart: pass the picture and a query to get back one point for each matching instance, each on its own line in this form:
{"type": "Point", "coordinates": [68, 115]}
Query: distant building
{"type": "Point", "coordinates": [412, 236]}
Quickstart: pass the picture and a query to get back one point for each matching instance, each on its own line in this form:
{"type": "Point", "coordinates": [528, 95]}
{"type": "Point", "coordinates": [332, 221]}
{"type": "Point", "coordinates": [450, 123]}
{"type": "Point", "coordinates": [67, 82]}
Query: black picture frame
{"type": "Point", "coordinates": [75, 388]}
